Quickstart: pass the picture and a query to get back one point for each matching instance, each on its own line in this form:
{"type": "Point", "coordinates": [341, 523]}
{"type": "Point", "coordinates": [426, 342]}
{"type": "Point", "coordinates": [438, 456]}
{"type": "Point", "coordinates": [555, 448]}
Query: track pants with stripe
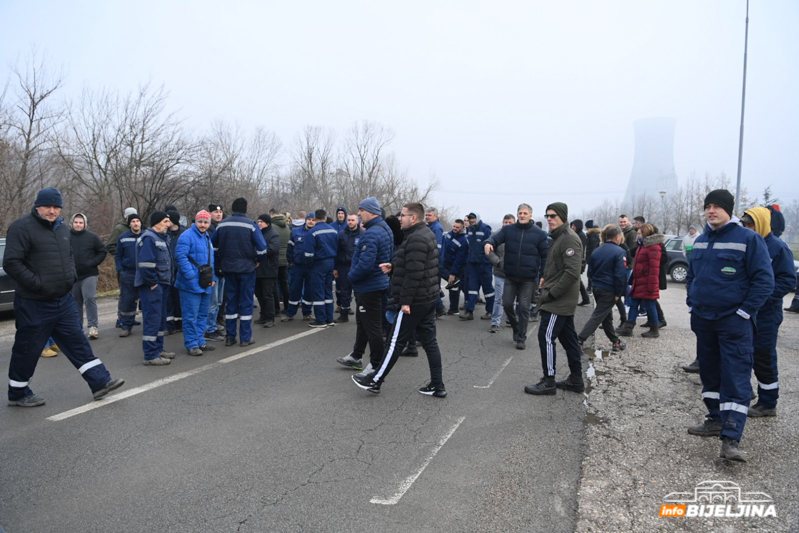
{"type": "Point", "coordinates": [480, 275]}
{"type": "Point", "coordinates": [37, 321]}
{"type": "Point", "coordinates": [769, 319]}
{"type": "Point", "coordinates": [299, 276]}
{"type": "Point", "coordinates": [726, 357]}
{"type": "Point", "coordinates": [320, 290]}
{"type": "Point", "coordinates": [239, 296]}
{"type": "Point", "coordinates": [153, 310]}
{"type": "Point", "coordinates": [558, 327]}
{"type": "Point", "coordinates": [421, 321]}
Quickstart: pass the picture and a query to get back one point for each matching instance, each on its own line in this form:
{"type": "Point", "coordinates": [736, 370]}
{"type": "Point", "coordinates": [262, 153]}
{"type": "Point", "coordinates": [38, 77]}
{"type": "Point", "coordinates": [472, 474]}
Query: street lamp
{"type": "Point", "coordinates": [663, 208]}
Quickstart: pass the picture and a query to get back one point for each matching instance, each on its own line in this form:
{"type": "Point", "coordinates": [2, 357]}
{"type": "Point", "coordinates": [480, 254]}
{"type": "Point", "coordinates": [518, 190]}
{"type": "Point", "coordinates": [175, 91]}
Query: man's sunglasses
{"type": "Point", "coordinates": [550, 216]}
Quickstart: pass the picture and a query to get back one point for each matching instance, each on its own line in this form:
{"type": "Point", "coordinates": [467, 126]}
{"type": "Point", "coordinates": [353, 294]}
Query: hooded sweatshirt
{"type": "Point", "coordinates": [284, 232]}
{"type": "Point", "coordinates": [781, 258]}
{"type": "Point", "coordinates": [87, 249]}
{"type": "Point", "coordinates": [340, 226]}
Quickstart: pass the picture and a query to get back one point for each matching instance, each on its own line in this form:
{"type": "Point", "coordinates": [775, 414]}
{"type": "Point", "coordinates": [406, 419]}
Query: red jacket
{"type": "Point", "coordinates": [646, 269]}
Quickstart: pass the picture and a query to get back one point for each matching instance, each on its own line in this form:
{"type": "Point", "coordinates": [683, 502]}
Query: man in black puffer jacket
{"type": "Point", "coordinates": [39, 258]}
{"type": "Point", "coordinates": [415, 287]}
{"type": "Point", "coordinates": [88, 251]}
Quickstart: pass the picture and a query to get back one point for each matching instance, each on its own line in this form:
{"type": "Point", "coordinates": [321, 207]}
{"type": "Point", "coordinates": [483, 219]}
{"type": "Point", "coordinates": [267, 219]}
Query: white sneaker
{"type": "Point", "coordinates": [93, 333]}
{"type": "Point", "coordinates": [366, 371]}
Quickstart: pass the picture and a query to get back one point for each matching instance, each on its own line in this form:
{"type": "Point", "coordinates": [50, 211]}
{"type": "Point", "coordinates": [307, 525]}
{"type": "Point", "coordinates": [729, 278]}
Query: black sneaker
{"type": "Point", "coordinates": [520, 344]}
{"type": "Point", "coordinates": [545, 387]}
{"type": "Point", "coordinates": [584, 302]}
{"type": "Point", "coordinates": [259, 321]}
{"type": "Point", "coordinates": [321, 325]}
{"type": "Point", "coordinates": [430, 390]}
{"type": "Point", "coordinates": [572, 383]}
{"type": "Point", "coordinates": [207, 348]}
{"type": "Point", "coordinates": [466, 315]}
{"type": "Point", "coordinates": [758, 410]}
{"type": "Point", "coordinates": [269, 323]}
{"type": "Point", "coordinates": [451, 312]}
{"type": "Point", "coordinates": [214, 336]}
{"type": "Point", "coordinates": [230, 341]}
{"type": "Point", "coordinates": [31, 400]}
{"type": "Point", "coordinates": [366, 383]}
{"type": "Point", "coordinates": [410, 351]}
{"type": "Point", "coordinates": [709, 428]}
{"type": "Point", "coordinates": [731, 451]}
{"type": "Point", "coordinates": [342, 318]}
{"type": "Point", "coordinates": [619, 346]}
{"type": "Point", "coordinates": [111, 385]}
{"type": "Point", "coordinates": [245, 343]}
{"type": "Point", "coordinates": [693, 368]}
{"type": "Point", "coordinates": [440, 313]}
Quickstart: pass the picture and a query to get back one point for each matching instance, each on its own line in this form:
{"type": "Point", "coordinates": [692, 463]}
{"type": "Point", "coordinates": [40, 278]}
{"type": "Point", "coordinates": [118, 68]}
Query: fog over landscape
{"type": "Point", "coordinates": [501, 102]}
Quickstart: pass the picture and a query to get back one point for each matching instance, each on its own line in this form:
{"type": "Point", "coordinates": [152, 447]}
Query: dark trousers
{"type": "Point", "coordinates": [583, 292]}
{"type": "Point", "coordinates": [420, 322]}
{"type": "Point", "coordinates": [603, 314]}
{"type": "Point", "coordinates": [174, 314]}
{"type": "Point", "coordinates": [343, 288]}
{"type": "Point", "coordinates": [369, 325]}
{"type": "Point", "coordinates": [769, 319]}
{"type": "Point", "coordinates": [282, 288]}
{"type": "Point", "coordinates": [37, 321]}
{"type": "Point", "coordinates": [558, 327]}
{"type": "Point", "coordinates": [521, 289]}
{"type": "Point", "coordinates": [726, 357]}
{"type": "Point", "coordinates": [128, 296]}
{"type": "Point", "coordinates": [265, 292]}
{"type": "Point", "coordinates": [454, 294]}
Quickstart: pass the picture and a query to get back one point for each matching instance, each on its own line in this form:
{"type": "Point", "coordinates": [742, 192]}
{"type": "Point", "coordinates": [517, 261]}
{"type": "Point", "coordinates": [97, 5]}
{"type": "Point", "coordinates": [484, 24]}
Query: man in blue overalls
{"type": "Point", "coordinates": [153, 281]}
{"type": "Point", "coordinates": [238, 245]}
{"type": "Point", "coordinates": [479, 271]}
{"type": "Point", "coordinates": [347, 242]}
{"type": "Point", "coordinates": [299, 271]}
{"type": "Point", "coordinates": [125, 259]}
{"type": "Point", "coordinates": [729, 279]}
{"type": "Point", "coordinates": [321, 246]}
{"type": "Point", "coordinates": [769, 317]}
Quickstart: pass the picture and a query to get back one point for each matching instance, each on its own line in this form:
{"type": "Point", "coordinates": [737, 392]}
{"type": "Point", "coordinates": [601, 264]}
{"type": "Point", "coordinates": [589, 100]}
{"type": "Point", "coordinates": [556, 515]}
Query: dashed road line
{"type": "Point", "coordinates": [495, 375]}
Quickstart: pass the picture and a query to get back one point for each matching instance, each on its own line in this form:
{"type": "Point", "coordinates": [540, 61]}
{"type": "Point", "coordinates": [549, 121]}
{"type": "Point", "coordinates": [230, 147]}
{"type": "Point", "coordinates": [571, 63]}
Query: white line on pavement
{"type": "Point", "coordinates": [495, 376]}
{"type": "Point", "coordinates": [405, 485]}
{"type": "Point", "coordinates": [155, 384]}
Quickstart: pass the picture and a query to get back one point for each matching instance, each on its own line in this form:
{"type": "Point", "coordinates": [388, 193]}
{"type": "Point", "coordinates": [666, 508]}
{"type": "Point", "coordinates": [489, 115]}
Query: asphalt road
{"type": "Point", "coordinates": [280, 439]}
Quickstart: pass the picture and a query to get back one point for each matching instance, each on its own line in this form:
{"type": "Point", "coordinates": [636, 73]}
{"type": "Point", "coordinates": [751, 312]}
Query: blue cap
{"type": "Point", "coordinates": [371, 205]}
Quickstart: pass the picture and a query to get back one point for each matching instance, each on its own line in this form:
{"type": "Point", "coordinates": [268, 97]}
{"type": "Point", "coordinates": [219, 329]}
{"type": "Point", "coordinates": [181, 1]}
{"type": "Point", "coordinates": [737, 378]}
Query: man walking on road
{"type": "Point", "coordinates": [38, 257]}
{"type": "Point", "coordinates": [560, 290]}
{"type": "Point", "coordinates": [415, 287]}
{"type": "Point", "coordinates": [729, 280]}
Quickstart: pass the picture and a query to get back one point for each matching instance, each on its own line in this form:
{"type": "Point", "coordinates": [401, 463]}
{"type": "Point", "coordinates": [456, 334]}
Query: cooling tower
{"type": "Point", "coordinates": [653, 166]}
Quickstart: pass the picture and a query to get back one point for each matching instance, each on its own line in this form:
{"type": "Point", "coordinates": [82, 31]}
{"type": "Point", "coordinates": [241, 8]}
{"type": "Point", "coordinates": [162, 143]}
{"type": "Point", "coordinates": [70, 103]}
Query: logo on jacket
{"type": "Point", "coordinates": [569, 251]}
{"type": "Point", "coordinates": [728, 270]}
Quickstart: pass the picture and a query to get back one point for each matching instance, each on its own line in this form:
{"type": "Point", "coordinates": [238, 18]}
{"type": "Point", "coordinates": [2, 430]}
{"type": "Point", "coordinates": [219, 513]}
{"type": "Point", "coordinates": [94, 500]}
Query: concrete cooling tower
{"type": "Point", "coordinates": [653, 166]}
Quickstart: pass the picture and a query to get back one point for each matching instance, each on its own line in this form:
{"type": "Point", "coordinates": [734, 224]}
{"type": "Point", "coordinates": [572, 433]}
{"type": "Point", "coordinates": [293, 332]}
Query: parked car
{"type": "Point", "coordinates": [677, 267]}
{"type": "Point", "coordinates": [7, 285]}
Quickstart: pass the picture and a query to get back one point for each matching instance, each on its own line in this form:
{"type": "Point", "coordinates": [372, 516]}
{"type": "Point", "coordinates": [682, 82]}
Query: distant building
{"type": "Point", "coordinates": [653, 166]}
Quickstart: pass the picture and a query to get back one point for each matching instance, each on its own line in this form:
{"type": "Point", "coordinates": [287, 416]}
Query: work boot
{"type": "Point", "coordinates": [93, 332]}
{"type": "Point", "coordinates": [207, 348]}
{"type": "Point", "coordinates": [342, 318]}
{"type": "Point", "coordinates": [196, 352]}
{"type": "Point", "coordinates": [246, 343]}
{"type": "Point", "coordinates": [709, 428]}
{"type": "Point", "coordinates": [662, 324]}
{"type": "Point", "coordinates": [652, 333]}
{"type": "Point", "coordinates": [545, 387]}
{"type": "Point", "coordinates": [124, 333]}
{"type": "Point", "coordinates": [350, 362]}
{"type": "Point", "coordinates": [214, 336]}
{"type": "Point", "coordinates": [452, 312]}
{"type": "Point", "coordinates": [693, 368]}
{"type": "Point", "coordinates": [114, 384]}
{"type": "Point", "coordinates": [486, 316]}
{"type": "Point", "coordinates": [520, 344]}
{"type": "Point", "coordinates": [49, 352]}
{"type": "Point", "coordinates": [626, 329]}
{"type": "Point", "coordinates": [158, 361]}
{"type": "Point", "coordinates": [410, 351]}
{"type": "Point", "coordinates": [307, 318]}
{"type": "Point", "coordinates": [230, 341]}
{"type": "Point", "coordinates": [269, 323]}
{"type": "Point", "coordinates": [493, 329]}
{"type": "Point", "coordinates": [758, 410]}
{"type": "Point", "coordinates": [168, 355]}
{"type": "Point", "coordinates": [584, 302]}
{"type": "Point", "coordinates": [573, 383]}
{"type": "Point", "coordinates": [31, 400]}
{"type": "Point", "coordinates": [259, 321]}
{"type": "Point", "coordinates": [466, 315]}
{"type": "Point", "coordinates": [287, 318]}
{"type": "Point", "coordinates": [731, 451]}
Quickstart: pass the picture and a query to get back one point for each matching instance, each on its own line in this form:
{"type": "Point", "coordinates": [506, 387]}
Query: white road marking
{"type": "Point", "coordinates": [495, 376]}
{"type": "Point", "coordinates": [405, 485]}
{"type": "Point", "coordinates": [176, 377]}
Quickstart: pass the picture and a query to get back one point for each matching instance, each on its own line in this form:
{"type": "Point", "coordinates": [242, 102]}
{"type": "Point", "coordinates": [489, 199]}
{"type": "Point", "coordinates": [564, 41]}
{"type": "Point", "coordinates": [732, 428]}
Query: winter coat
{"type": "Point", "coordinates": [340, 226]}
{"type": "Point", "coordinates": [347, 241]}
{"type": "Point", "coordinates": [526, 249]}
{"type": "Point", "coordinates": [497, 258]}
{"type": "Point", "coordinates": [476, 236]}
{"type": "Point", "coordinates": [438, 231]}
{"type": "Point", "coordinates": [593, 241]}
{"type": "Point", "coordinates": [125, 257]}
{"type": "Point", "coordinates": [111, 242]}
{"type": "Point", "coordinates": [268, 265]}
{"type": "Point", "coordinates": [238, 244]}
{"type": "Point", "coordinates": [375, 246]}
{"type": "Point", "coordinates": [153, 260]}
{"type": "Point", "coordinates": [607, 268]}
{"type": "Point", "coordinates": [284, 232]}
{"type": "Point", "coordinates": [664, 266]}
{"type": "Point", "coordinates": [196, 245]}
{"type": "Point", "coordinates": [584, 241]}
{"type": "Point", "coordinates": [88, 251]}
{"type": "Point", "coordinates": [39, 258]}
{"type": "Point", "coordinates": [561, 287]}
{"type": "Point", "coordinates": [321, 242]}
{"type": "Point", "coordinates": [295, 251]}
{"type": "Point", "coordinates": [646, 270]}
{"type": "Point", "coordinates": [415, 267]}
{"type": "Point", "coordinates": [631, 240]}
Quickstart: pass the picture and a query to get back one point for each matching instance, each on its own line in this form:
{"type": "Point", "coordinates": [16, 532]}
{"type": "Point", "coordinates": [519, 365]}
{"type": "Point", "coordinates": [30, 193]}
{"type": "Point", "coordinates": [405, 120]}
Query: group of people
{"type": "Point", "coordinates": [187, 277]}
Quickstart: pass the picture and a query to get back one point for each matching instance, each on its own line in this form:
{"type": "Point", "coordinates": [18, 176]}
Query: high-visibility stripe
{"type": "Point", "coordinates": [732, 406]}
{"type": "Point", "coordinates": [146, 265]}
{"type": "Point", "coordinates": [474, 292]}
{"type": "Point", "coordinates": [308, 254]}
{"type": "Point", "coordinates": [489, 295]}
{"type": "Point", "coordinates": [769, 386]}
{"type": "Point", "coordinates": [236, 225]}
{"type": "Point", "coordinates": [320, 302]}
{"type": "Point", "coordinates": [743, 314]}
{"type": "Point", "coordinates": [710, 395]}
{"type": "Point", "coordinates": [294, 303]}
{"type": "Point", "coordinates": [149, 338]}
{"type": "Point", "coordinates": [260, 253]}
{"type": "Point", "coordinates": [740, 246]}
{"type": "Point", "coordinates": [479, 233]}
{"type": "Point", "coordinates": [170, 319]}
{"type": "Point", "coordinates": [291, 243]}
{"type": "Point", "coordinates": [232, 317]}
{"type": "Point", "coordinates": [90, 364]}
{"type": "Point", "coordinates": [700, 245]}
{"type": "Point", "coordinates": [17, 384]}
{"type": "Point", "coordinates": [161, 244]}
{"type": "Point", "coordinates": [328, 301]}
{"type": "Point", "coordinates": [246, 317]}
{"type": "Point", "coordinates": [457, 242]}
{"type": "Point", "coordinates": [128, 239]}
{"type": "Point", "coordinates": [161, 333]}
{"type": "Point", "coordinates": [321, 231]}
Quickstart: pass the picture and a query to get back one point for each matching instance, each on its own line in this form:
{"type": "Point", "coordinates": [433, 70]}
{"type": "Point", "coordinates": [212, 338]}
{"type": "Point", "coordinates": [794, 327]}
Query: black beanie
{"type": "Point", "coordinates": [174, 217]}
{"type": "Point", "coordinates": [722, 198]}
{"type": "Point", "coordinates": [133, 216]}
{"type": "Point", "coordinates": [170, 207]}
{"type": "Point", "coordinates": [561, 209]}
{"type": "Point", "coordinates": [265, 218]}
{"type": "Point", "coordinates": [240, 205]}
{"type": "Point", "coordinates": [157, 217]}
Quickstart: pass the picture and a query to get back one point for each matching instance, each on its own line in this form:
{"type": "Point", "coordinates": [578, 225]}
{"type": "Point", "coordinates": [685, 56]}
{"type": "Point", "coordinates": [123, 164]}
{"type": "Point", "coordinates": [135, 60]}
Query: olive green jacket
{"type": "Point", "coordinates": [561, 288]}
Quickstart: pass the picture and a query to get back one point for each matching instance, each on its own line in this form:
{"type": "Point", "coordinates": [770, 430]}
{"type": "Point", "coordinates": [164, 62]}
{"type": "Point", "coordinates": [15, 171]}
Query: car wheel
{"type": "Point", "coordinates": [679, 273]}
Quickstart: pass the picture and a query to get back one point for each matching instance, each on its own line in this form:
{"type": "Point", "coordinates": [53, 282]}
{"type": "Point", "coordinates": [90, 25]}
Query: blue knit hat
{"type": "Point", "coordinates": [371, 205]}
{"type": "Point", "coordinates": [49, 196]}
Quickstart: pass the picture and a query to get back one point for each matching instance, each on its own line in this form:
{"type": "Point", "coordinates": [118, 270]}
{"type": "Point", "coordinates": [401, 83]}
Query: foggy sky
{"type": "Point", "coordinates": [505, 102]}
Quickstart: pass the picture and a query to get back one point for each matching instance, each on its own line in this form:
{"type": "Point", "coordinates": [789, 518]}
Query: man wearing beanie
{"type": "Point", "coordinates": [347, 242]}
{"type": "Point", "coordinates": [729, 280]}
{"type": "Point", "coordinates": [321, 247]}
{"type": "Point", "coordinates": [88, 251]}
{"type": "Point", "coordinates": [239, 246]}
{"type": "Point", "coordinates": [217, 304]}
{"type": "Point", "coordinates": [174, 316]}
{"type": "Point", "coordinates": [111, 246]}
{"type": "Point", "coordinates": [38, 257]}
{"type": "Point", "coordinates": [560, 289]}
{"type": "Point", "coordinates": [267, 271]}
{"type": "Point", "coordinates": [125, 261]}
{"type": "Point", "coordinates": [153, 281]}
{"type": "Point", "coordinates": [299, 270]}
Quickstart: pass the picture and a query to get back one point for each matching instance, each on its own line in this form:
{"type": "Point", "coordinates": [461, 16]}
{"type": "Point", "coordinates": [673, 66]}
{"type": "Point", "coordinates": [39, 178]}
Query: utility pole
{"type": "Point", "coordinates": [663, 208]}
{"type": "Point", "coordinates": [743, 106]}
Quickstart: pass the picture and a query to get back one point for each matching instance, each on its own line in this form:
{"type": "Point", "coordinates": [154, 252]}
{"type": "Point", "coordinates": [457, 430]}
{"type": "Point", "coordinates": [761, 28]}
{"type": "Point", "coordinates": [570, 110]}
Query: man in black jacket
{"type": "Point", "coordinates": [266, 272]}
{"type": "Point", "coordinates": [38, 257]}
{"type": "Point", "coordinates": [415, 287]}
{"type": "Point", "coordinates": [89, 251]}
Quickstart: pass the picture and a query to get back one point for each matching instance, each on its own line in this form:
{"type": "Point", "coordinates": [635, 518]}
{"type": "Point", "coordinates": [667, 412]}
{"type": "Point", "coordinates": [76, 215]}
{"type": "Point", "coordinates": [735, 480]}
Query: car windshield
{"type": "Point", "coordinates": [674, 244]}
